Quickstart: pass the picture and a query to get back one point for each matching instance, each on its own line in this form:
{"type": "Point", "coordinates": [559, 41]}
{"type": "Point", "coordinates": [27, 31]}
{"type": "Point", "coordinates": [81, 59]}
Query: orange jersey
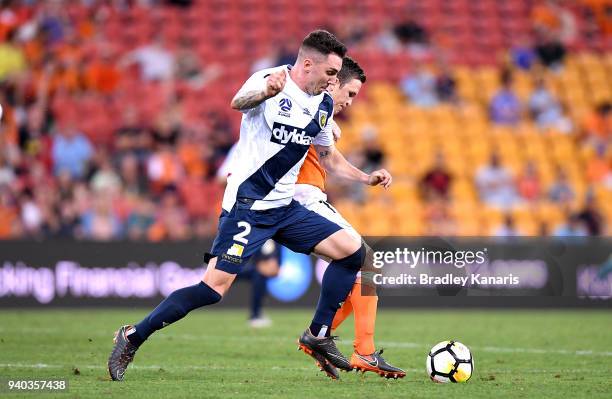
{"type": "Point", "coordinates": [312, 172]}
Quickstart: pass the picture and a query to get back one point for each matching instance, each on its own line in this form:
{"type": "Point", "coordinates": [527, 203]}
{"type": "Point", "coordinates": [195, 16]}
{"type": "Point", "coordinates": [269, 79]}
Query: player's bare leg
{"type": "Point", "coordinates": [218, 280]}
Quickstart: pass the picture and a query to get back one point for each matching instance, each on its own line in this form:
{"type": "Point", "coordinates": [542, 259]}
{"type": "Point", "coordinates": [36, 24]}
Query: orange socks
{"type": "Point", "coordinates": [345, 311]}
{"type": "Point", "coordinates": [365, 318]}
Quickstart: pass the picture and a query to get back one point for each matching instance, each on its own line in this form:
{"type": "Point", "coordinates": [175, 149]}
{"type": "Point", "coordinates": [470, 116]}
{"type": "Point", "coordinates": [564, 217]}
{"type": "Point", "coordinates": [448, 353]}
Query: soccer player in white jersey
{"type": "Point", "coordinates": [310, 192]}
{"type": "Point", "coordinates": [286, 109]}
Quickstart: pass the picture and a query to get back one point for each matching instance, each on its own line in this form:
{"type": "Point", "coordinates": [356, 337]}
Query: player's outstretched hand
{"type": "Point", "coordinates": [380, 178]}
{"type": "Point", "coordinates": [275, 83]}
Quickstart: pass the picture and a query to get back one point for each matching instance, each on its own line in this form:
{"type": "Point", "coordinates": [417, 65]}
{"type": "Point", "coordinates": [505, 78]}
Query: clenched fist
{"type": "Point", "coordinates": [380, 177]}
{"type": "Point", "coordinates": [275, 83]}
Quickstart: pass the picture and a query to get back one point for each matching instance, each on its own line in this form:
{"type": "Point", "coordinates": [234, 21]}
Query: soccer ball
{"type": "Point", "coordinates": [450, 361]}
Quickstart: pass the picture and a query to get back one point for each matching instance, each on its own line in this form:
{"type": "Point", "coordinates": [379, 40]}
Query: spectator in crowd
{"type": "Point", "coordinates": [446, 85]}
{"type": "Point", "coordinates": [164, 168]}
{"type": "Point", "coordinates": [266, 58]}
{"type": "Point", "coordinates": [523, 54]}
{"type": "Point", "coordinates": [411, 32]}
{"type": "Point", "coordinates": [133, 179]}
{"type": "Point", "coordinates": [352, 29]}
{"type": "Point", "coordinates": [528, 183]}
{"type": "Point", "coordinates": [71, 150]}
{"type": "Point", "coordinates": [505, 107]}
{"type": "Point", "coordinates": [101, 223]}
{"type": "Point", "coordinates": [132, 137]}
{"type": "Point", "coordinates": [33, 130]}
{"type": "Point", "coordinates": [12, 59]}
{"type": "Point", "coordinates": [598, 166]}
{"type": "Point", "coordinates": [286, 54]}
{"type": "Point", "coordinates": [407, 35]}
{"type": "Point", "coordinates": [440, 221]}
{"type": "Point", "coordinates": [561, 191]}
{"type": "Point", "coordinates": [140, 219]}
{"type": "Point", "coordinates": [598, 13]}
{"type": "Point", "coordinates": [105, 179]}
{"type": "Point", "coordinates": [171, 221]}
{"type": "Point", "coordinates": [420, 87]}
{"type": "Point", "coordinates": [373, 155]}
{"type": "Point", "coordinates": [9, 215]}
{"type": "Point", "coordinates": [555, 29]}
{"type": "Point", "coordinates": [102, 74]}
{"type": "Point", "coordinates": [507, 228]}
{"type": "Point", "coordinates": [590, 216]}
{"type": "Point", "coordinates": [155, 61]}
{"type": "Point", "coordinates": [495, 184]}
{"type": "Point", "coordinates": [437, 181]}
{"type": "Point", "coordinates": [597, 126]}
{"type": "Point", "coordinates": [573, 227]}
{"type": "Point", "coordinates": [546, 110]}
{"type": "Point", "coordinates": [7, 171]}
{"type": "Point", "coordinates": [180, 3]}
{"type": "Point", "coordinates": [189, 68]}
{"type": "Point", "coordinates": [551, 53]}
{"type": "Point", "coordinates": [31, 215]}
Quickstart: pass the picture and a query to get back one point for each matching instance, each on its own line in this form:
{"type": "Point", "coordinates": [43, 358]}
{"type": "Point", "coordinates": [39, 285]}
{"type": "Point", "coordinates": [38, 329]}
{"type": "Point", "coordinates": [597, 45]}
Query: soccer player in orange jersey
{"type": "Point", "coordinates": [310, 192]}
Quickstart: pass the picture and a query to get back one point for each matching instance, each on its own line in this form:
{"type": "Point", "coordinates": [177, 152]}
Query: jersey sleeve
{"type": "Point", "coordinates": [257, 82]}
{"type": "Point", "coordinates": [325, 137]}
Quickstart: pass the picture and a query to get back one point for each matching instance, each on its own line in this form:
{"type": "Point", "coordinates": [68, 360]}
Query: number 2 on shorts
{"type": "Point", "coordinates": [241, 237]}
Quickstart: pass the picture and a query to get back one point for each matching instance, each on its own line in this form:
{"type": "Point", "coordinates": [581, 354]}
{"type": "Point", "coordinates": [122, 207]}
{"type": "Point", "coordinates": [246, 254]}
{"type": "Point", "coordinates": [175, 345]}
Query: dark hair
{"type": "Point", "coordinates": [324, 42]}
{"type": "Point", "coordinates": [350, 70]}
{"type": "Point", "coordinates": [506, 77]}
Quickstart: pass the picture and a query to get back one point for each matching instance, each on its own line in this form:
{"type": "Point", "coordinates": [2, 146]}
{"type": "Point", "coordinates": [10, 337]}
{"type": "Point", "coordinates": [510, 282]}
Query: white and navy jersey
{"type": "Point", "coordinates": [274, 139]}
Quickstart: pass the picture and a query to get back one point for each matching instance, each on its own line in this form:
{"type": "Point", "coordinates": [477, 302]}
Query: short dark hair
{"type": "Point", "coordinates": [324, 42]}
{"type": "Point", "coordinates": [350, 70]}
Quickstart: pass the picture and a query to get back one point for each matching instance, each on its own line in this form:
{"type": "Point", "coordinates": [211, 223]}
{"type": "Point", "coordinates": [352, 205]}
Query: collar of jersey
{"type": "Point", "coordinates": [294, 89]}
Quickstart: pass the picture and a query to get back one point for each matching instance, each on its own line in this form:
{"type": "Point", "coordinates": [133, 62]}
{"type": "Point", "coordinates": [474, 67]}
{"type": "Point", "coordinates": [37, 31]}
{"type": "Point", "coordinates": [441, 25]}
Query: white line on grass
{"type": "Point", "coordinates": [412, 345]}
{"type": "Point", "coordinates": [278, 368]}
{"type": "Point", "coordinates": [388, 344]}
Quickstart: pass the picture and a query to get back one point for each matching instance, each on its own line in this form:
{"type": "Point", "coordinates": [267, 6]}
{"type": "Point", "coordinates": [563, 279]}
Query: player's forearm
{"type": "Point", "coordinates": [248, 100]}
{"type": "Point", "coordinates": [336, 164]}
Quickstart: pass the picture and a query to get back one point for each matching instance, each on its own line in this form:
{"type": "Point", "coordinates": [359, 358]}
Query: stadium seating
{"type": "Point", "coordinates": [474, 36]}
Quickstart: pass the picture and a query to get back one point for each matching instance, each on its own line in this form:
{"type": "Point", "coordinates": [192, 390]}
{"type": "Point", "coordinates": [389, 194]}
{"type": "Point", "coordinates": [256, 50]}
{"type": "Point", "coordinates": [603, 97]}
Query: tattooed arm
{"type": "Point", "coordinates": [248, 98]}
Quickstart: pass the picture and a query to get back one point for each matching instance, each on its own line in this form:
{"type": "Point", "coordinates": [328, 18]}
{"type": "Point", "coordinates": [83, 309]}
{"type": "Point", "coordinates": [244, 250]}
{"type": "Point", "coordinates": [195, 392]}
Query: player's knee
{"type": "Point", "coordinates": [217, 287]}
{"type": "Point", "coordinates": [216, 279]}
{"type": "Point", "coordinates": [353, 261]}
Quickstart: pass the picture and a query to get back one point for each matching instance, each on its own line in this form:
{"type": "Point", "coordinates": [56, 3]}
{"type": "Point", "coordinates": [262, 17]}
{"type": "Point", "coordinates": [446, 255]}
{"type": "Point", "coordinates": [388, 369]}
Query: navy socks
{"type": "Point", "coordinates": [174, 308]}
{"type": "Point", "coordinates": [337, 283]}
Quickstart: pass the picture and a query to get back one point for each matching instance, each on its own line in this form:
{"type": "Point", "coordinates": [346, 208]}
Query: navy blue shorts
{"type": "Point", "coordinates": [243, 231]}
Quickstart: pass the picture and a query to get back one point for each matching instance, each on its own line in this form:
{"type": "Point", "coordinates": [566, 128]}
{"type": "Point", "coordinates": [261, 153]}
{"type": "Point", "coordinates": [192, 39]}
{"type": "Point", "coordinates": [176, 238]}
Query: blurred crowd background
{"type": "Point", "coordinates": [494, 117]}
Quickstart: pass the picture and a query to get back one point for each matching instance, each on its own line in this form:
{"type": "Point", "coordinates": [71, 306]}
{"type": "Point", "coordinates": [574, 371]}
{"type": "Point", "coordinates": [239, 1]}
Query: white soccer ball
{"type": "Point", "coordinates": [0, 112]}
{"type": "Point", "coordinates": [450, 361]}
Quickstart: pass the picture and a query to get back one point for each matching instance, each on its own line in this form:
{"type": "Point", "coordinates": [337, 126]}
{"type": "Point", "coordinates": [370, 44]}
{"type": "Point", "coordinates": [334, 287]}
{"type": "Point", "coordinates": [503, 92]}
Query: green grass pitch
{"type": "Point", "coordinates": [213, 354]}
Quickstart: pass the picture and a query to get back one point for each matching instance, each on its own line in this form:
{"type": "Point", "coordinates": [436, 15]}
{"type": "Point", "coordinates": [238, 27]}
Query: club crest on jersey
{"type": "Point", "coordinates": [322, 118]}
{"type": "Point", "coordinates": [284, 134]}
